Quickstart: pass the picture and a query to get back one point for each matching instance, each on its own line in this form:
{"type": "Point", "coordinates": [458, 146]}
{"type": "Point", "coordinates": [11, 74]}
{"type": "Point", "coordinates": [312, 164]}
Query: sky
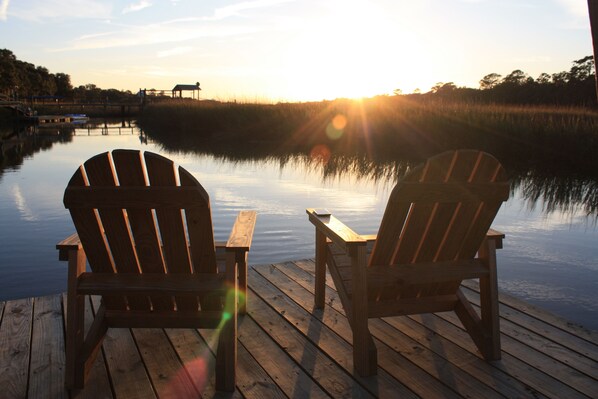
{"type": "Point", "coordinates": [294, 50]}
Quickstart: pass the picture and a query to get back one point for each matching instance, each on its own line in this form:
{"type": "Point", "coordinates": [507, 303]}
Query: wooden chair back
{"type": "Point", "coordinates": [135, 214]}
{"type": "Point", "coordinates": [440, 211]}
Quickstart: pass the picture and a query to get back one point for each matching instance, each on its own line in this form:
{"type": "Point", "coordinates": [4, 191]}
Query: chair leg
{"type": "Point", "coordinates": [365, 357]}
{"type": "Point", "coordinates": [226, 354]}
{"type": "Point", "coordinates": [75, 316]}
{"type": "Point", "coordinates": [489, 302]}
{"type": "Point", "coordinates": [365, 354]}
{"type": "Point", "coordinates": [242, 269]}
{"type": "Point", "coordinates": [74, 375]}
{"type": "Point", "coordinates": [320, 284]}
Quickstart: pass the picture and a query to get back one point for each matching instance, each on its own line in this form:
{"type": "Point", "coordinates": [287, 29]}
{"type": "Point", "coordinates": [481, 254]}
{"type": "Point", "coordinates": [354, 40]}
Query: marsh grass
{"type": "Point", "coordinates": [383, 127]}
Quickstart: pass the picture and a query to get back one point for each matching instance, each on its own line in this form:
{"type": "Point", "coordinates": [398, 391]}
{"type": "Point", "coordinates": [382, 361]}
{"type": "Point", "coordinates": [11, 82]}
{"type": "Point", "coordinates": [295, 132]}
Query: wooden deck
{"type": "Point", "coordinates": [285, 351]}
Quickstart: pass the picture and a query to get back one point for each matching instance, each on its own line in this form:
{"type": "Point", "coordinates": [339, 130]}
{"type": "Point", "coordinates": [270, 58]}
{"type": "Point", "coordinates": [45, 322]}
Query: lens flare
{"type": "Point", "coordinates": [339, 122]}
{"type": "Point", "coordinates": [335, 128]}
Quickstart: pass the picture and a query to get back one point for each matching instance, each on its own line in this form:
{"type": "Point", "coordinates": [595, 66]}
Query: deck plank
{"type": "Point", "coordinates": [15, 335]}
{"type": "Point", "coordinates": [252, 380]}
{"type": "Point", "coordinates": [456, 378]}
{"type": "Point", "coordinates": [469, 363]}
{"type": "Point", "coordinates": [288, 349]}
{"type": "Point", "coordinates": [537, 383]}
{"type": "Point", "coordinates": [523, 307]}
{"type": "Point", "coordinates": [537, 371]}
{"type": "Point", "coordinates": [325, 332]}
{"type": "Point", "coordinates": [293, 381]}
{"type": "Point", "coordinates": [98, 383]}
{"type": "Point", "coordinates": [47, 366]}
{"type": "Point", "coordinates": [127, 371]}
{"type": "Point", "coordinates": [168, 375]}
{"type": "Point", "coordinates": [196, 358]}
{"type": "Point", "coordinates": [549, 357]}
{"type": "Point", "coordinates": [541, 328]}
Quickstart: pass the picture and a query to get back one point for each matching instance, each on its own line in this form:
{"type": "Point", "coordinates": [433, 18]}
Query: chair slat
{"type": "Point", "coordinates": [421, 214]}
{"type": "Point", "coordinates": [161, 172]}
{"type": "Point", "coordinates": [91, 234]}
{"type": "Point", "coordinates": [457, 179]}
{"type": "Point", "coordinates": [464, 213]}
{"type": "Point", "coordinates": [201, 235]}
{"type": "Point", "coordinates": [199, 225]}
{"type": "Point", "coordinates": [489, 170]}
{"type": "Point", "coordinates": [129, 168]}
{"type": "Point", "coordinates": [100, 173]}
{"type": "Point", "coordinates": [392, 223]}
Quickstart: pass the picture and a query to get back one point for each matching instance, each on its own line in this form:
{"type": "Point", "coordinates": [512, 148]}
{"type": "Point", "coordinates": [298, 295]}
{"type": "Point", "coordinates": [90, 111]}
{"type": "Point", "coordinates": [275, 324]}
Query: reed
{"type": "Point", "coordinates": [382, 127]}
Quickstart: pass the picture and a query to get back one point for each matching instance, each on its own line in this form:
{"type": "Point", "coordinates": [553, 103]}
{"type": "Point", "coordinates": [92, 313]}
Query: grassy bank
{"type": "Point", "coordinates": [383, 129]}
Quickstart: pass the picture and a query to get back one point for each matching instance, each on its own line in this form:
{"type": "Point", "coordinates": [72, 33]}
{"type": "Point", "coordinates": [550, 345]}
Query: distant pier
{"type": "Point", "coordinates": [45, 119]}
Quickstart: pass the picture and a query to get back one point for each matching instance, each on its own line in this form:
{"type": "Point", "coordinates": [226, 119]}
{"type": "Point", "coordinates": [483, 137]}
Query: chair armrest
{"type": "Point", "coordinates": [241, 235]}
{"type": "Point", "coordinates": [335, 230]}
{"type": "Point", "coordinates": [72, 242]}
{"type": "Point", "coordinates": [497, 236]}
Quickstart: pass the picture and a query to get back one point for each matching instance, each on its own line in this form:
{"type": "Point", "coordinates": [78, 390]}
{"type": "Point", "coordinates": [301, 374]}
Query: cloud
{"type": "Point", "coordinates": [174, 51]}
{"type": "Point", "coordinates": [137, 6]}
{"type": "Point", "coordinates": [175, 31]}
{"type": "Point", "coordinates": [51, 10]}
{"type": "Point", "coordinates": [4, 9]}
{"type": "Point", "coordinates": [575, 7]}
{"type": "Point", "coordinates": [235, 9]}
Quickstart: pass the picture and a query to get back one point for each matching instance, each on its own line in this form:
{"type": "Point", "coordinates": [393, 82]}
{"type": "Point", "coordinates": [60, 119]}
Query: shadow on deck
{"type": "Point", "coordinates": [286, 351]}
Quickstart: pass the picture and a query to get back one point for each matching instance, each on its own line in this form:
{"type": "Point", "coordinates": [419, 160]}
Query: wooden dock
{"type": "Point", "coordinates": [49, 119]}
{"type": "Point", "coordinates": [286, 351]}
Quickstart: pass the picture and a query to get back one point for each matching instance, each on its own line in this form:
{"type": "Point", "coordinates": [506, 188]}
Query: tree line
{"type": "Point", "coordinates": [23, 80]}
{"type": "Point", "coordinates": [573, 87]}
{"type": "Point", "coordinates": [20, 80]}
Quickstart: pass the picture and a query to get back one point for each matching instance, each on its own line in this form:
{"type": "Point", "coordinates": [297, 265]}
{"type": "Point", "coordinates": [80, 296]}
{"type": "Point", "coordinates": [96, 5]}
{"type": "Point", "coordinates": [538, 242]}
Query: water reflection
{"type": "Point", "coordinates": [548, 186]}
{"type": "Point", "coordinates": [553, 187]}
{"type": "Point", "coordinates": [21, 141]}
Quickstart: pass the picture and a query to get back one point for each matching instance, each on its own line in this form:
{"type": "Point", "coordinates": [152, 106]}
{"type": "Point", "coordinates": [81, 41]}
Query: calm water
{"type": "Point", "coordinates": [549, 259]}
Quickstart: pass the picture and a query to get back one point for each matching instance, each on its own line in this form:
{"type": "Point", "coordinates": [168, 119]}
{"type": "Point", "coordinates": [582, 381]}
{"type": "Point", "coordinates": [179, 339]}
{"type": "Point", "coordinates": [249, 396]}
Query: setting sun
{"type": "Point", "coordinates": [359, 50]}
{"type": "Point", "coordinates": [354, 51]}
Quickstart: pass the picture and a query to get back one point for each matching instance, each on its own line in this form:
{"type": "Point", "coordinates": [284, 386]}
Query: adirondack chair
{"type": "Point", "coordinates": [437, 219]}
{"type": "Point", "coordinates": [150, 247]}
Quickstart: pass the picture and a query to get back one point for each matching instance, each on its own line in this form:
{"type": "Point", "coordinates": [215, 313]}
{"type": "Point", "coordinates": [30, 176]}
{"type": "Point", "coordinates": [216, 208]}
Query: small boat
{"type": "Point", "coordinates": [77, 118]}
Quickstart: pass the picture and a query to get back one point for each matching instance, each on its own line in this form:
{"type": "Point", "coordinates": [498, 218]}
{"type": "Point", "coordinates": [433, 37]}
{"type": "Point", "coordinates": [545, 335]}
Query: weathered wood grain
{"type": "Point", "coordinates": [46, 368]}
{"type": "Point", "coordinates": [15, 336]}
{"type": "Point", "coordinates": [286, 348]}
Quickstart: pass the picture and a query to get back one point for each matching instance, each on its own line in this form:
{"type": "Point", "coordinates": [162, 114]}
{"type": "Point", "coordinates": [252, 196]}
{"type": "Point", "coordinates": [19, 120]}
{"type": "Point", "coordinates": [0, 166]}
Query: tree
{"type": "Point", "coordinates": [517, 77]}
{"type": "Point", "coordinates": [543, 78]}
{"type": "Point", "coordinates": [63, 85]}
{"type": "Point", "coordinates": [582, 69]}
{"type": "Point", "coordinates": [441, 87]}
{"type": "Point", "coordinates": [9, 79]}
{"type": "Point", "coordinates": [560, 78]}
{"type": "Point", "coordinates": [490, 81]}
